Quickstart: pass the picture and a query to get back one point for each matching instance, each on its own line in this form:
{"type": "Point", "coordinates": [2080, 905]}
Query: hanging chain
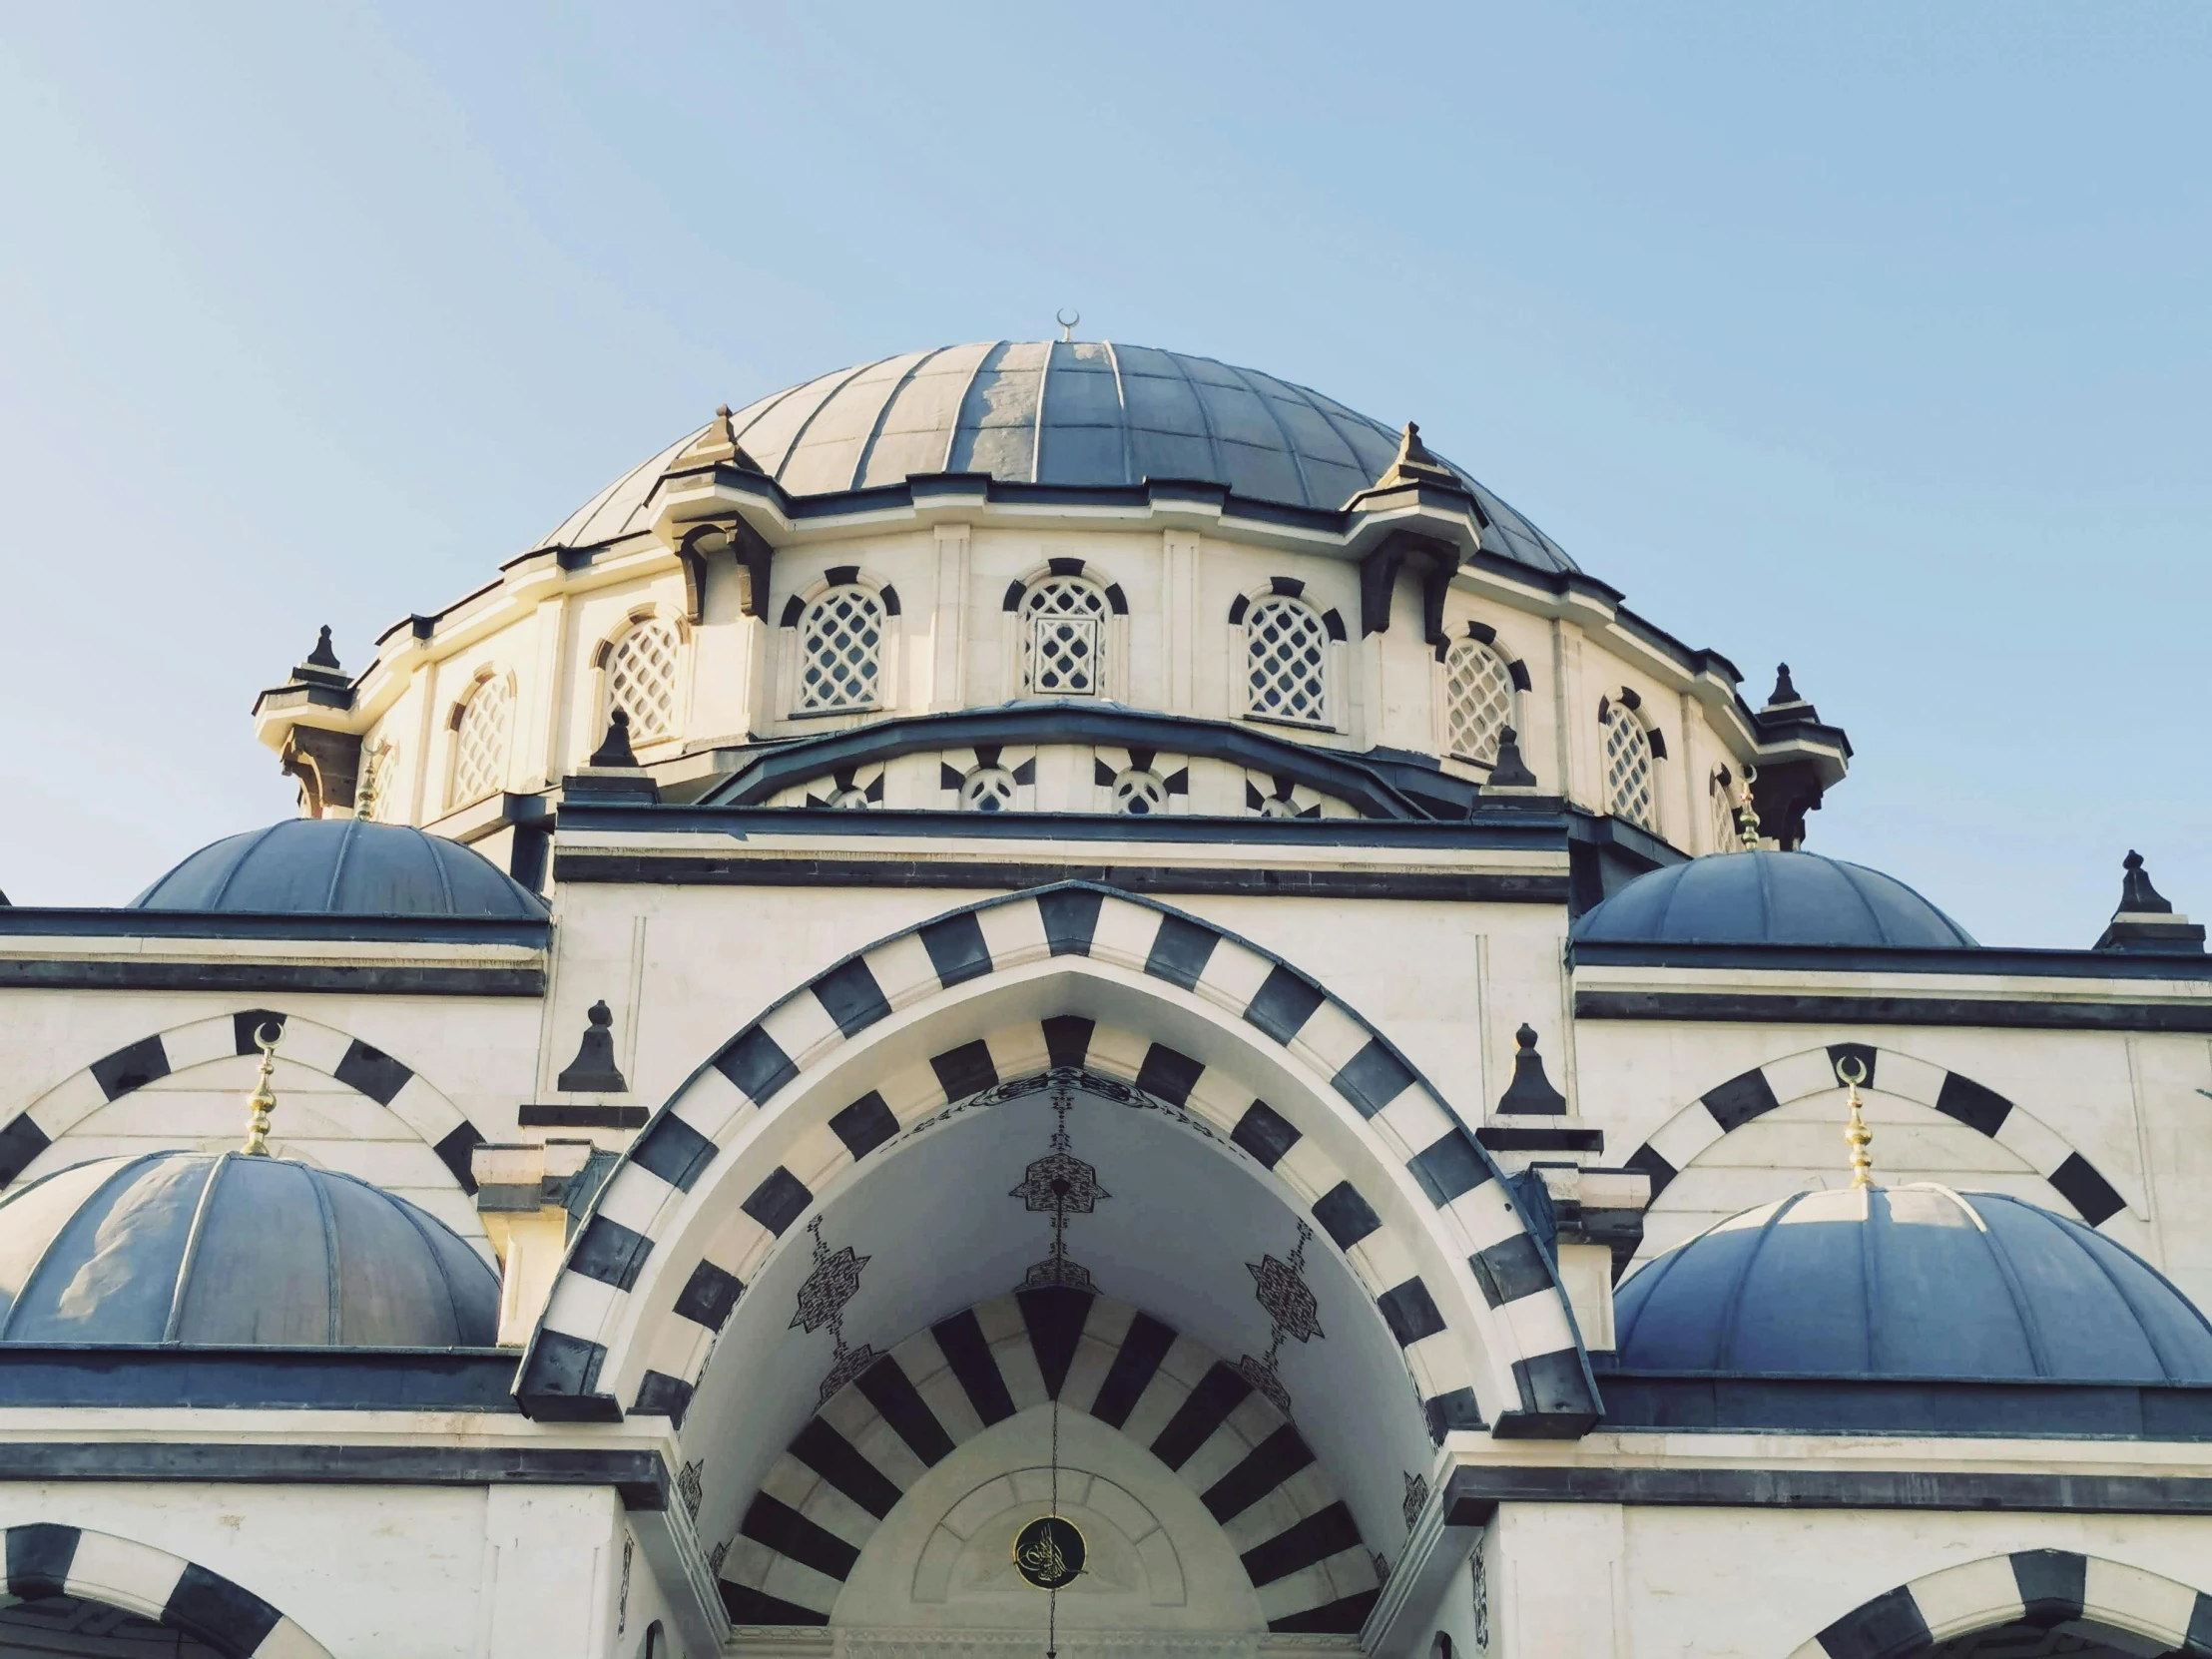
{"type": "Point", "coordinates": [1052, 1594]}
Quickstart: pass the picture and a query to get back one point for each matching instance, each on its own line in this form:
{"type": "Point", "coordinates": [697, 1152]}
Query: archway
{"type": "Point", "coordinates": [217, 1049]}
{"type": "Point", "coordinates": [1191, 1018]}
{"type": "Point", "coordinates": [73, 1593]}
{"type": "Point", "coordinates": [1742, 1142]}
{"type": "Point", "coordinates": [2032, 1602]}
{"type": "Point", "coordinates": [1059, 1245]}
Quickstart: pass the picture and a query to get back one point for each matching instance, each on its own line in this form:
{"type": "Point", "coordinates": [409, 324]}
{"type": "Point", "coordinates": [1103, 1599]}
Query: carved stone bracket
{"type": "Point", "coordinates": [1433, 560]}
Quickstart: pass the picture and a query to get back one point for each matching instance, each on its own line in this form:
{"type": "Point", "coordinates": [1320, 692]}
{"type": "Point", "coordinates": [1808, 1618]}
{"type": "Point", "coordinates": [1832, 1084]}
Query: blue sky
{"type": "Point", "coordinates": [1873, 337]}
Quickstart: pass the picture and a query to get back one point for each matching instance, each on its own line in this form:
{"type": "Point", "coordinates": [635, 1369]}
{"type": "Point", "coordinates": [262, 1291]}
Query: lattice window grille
{"type": "Point", "coordinates": [1065, 618]}
{"type": "Point", "coordinates": [1727, 834]}
{"type": "Point", "coordinates": [641, 680]}
{"type": "Point", "coordinates": [988, 789]}
{"type": "Point", "coordinates": [1628, 769]}
{"type": "Point", "coordinates": [1287, 653]}
{"type": "Point", "coordinates": [1479, 698]}
{"type": "Point", "coordinates": [841, 641]}
{"type": "Point", "coordinates": [1140, 794]}
{"type": "Point", "coordinates": [480, 743]}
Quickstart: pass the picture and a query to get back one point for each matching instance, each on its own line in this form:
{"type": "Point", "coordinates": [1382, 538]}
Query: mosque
{"type": "Point", "coordinates": [1057, 999]}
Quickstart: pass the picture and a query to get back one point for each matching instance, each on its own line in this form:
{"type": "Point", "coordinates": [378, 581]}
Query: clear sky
{"type": "Point", "coordinates": [1876, 337]}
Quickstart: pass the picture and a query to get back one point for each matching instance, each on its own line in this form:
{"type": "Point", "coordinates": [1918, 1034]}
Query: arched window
{"type": "Point", "coordinates": [482, 732]}
{"type": "Point", "coordinates": [1727, 832]}
{"type": "Point", "coordinates": [1286, 657]}
{"type": "Point", "coordinates": [1063, 632]}
{"type": "Point", "coordinates": [841, 647]}
{"type": "Point", "coordinates": [641, 679]}
{"type": "Point", "coordinates": [1630, 790]}
{"type": "Point", "coordinates": [1478, 699]}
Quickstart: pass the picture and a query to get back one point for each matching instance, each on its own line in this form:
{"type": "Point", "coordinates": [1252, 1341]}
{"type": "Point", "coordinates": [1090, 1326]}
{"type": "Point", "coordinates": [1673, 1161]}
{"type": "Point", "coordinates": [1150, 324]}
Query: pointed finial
{"type": "Point", "coordinates": [264, 1099]}
{"type": "Point", "coordinates": [1853, 1071]}
{"type": "Point", "coordinates": [324, 655]}
{"type": "Point", "coordinates": [594, 1071]}
{"type": "Point", "coordinates": [1067, 320]}
{"type": "Point", "coordinates": [718, 445]}
{"type": "Point", "coordinates": [1413, 464]}
{"type": "Point", "coordinates": [1784, 688]}
{"type": "Point", "coordinates": [1509, 771]}
{"type": "Point", "coordinates": [2137, 895]}
{"type": "Point", "coordinates": [614, 749]}
{"type": "Point", "coordinates": [1530, 1090]}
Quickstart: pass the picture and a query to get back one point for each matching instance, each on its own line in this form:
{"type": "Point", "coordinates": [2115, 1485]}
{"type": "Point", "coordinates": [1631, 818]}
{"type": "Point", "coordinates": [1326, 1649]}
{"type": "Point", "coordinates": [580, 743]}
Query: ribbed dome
{"type": "Point", "coordinates": [1909, 1282]}
{"type": "Point", "coordinates": [222, 1249]}
{"type": "Point", "coordinates": [1771, 898]}
{"type": "Point", "coordinates": [1082, 413]}
{"type": "Point", "coordinates": [351, 866]}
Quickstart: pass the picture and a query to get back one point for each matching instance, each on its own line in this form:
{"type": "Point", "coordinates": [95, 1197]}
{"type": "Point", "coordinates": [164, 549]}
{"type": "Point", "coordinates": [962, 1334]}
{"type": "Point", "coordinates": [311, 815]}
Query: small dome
{"type": "Point", "coordinates": [342, 866]}
{"type": "Point", "coordinates": [1909, 1282]}
{"type": "Point", "coordinates": [1771, 898]}
{"type": "Point", "coordinates": [224, 1249]}
{"type": "Point", "coordinates": [1081, 415]}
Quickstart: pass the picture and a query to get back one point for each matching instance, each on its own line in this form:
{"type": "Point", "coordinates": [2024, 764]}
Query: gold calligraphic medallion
{"type": "Point", "coordinates": [1048, 1552]}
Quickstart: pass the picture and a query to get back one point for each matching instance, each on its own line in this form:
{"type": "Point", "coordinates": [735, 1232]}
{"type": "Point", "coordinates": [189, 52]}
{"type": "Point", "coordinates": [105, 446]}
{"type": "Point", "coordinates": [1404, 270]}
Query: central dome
{"type": "Point", "coordinates": [1084, 414]}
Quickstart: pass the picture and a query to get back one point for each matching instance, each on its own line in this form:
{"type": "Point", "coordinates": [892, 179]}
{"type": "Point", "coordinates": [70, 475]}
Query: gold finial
{"type": "Point", "coordinates": [265, 1038]}
{"type": "Point", "coordinates": [1853, 1071]}
{"type": "Point", "coordinates": [1747, 817]}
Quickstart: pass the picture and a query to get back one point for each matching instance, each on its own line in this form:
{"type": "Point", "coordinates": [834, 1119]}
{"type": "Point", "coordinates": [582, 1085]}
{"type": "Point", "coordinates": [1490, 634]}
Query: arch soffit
{"type": "Point", "coordinates": [2044, 1587]}
{"type": "Point", "coordinates": [390, 1082]}
{"type": "Point", "coordinates": [800, 1537]}
{"type": "Point", "coordinates": [46, 1560]}
{"type": "Point", "coordinates": [1753, 1093]}
{"type": "Point", "coordinates": [1389, 1173]}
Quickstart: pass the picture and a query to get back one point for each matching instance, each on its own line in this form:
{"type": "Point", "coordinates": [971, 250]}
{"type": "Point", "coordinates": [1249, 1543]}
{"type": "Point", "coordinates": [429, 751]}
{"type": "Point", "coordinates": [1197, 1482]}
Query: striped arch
{"type": "Point", "coordinates": [2041, 1587]}
{"type": "Point", "coordinates": [371, 1071]}
{"type": "Point", "coordinates": [857, 1458]}
{"type": "Point", "coordinates": [1763, 1088]}
{"type": "Point", "coordinates": [1425, 1221]}
{"type": "Point", "coordinates": [48, 1560]}
{"type": "Point", "coordinates": [1018, 589]}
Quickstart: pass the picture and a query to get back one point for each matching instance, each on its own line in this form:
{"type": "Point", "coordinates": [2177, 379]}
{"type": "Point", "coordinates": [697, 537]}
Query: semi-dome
{"type": "Point", "coordinates": [223, 1250]}
{"type": "Point", "coordinates": [1076, 413]}
{"type": "Point", "coordinates": [1764, 897]}
{"type": "Point", "coordinates": [1909, 1282]}
{"type": "Point", "coordinates": [349, 866]}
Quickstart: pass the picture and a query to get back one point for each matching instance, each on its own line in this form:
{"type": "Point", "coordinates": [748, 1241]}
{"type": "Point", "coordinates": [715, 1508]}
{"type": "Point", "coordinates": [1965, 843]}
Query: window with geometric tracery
{"type": "Point", "coordinates": [1063, 623]}
{"type": "Point", "coordinates": [841, 640]}
{"type": "Point", "coordinates": [1629, 791]}
{"type": "Point", "coordinates": [1727, 833]}
{"type": "Point", "coordinates": [641, 679]}
{"type": "Point", "coordinates": [1287, 656]}
{"type": "Point", "coordinates": [480, 742]}
{"type": "Point", "coordinates": [1478, 699]}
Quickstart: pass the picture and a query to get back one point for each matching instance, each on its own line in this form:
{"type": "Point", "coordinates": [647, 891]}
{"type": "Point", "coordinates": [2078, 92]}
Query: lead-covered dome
{"type": "Point", "coordinates": [1076, 413]}
{"type": "Point", "coordinates": [225, 1250]}
{"type": "Point", "coordinates": [1782, 898]}
{"type": "Point", "coordinates": [349, 866]}
{"type": "Point", "coordinates": [1912, 1281]}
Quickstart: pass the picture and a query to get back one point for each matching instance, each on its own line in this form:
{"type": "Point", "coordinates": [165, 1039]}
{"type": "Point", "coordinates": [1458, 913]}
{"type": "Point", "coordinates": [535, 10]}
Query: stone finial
{"type": "Point", "coordinates": [1413, 464]}
{"type": "Point", "coordinates": [594, 1071]}
{"type": "Point", "coordinates": [614, 749]}
{"type": "Point", "coordinates": [2137, 895]}
{"type": "Point", "coordinates": [1784, 688]}
{"type": "Point", "coordinates": [1509, 771]}
{"type": "Point", "coordinates": [1530, 1090]}
{"type": "Point", "coordinates": [718, 445]}
{"type": "Point", "coordinates": [2146, 919]}
{"type": "Point", "coordinates": [324, 655]}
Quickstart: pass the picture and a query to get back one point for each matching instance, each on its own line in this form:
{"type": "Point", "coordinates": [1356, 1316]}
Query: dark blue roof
{"type": "Point", "coordinates": [1909, 1282]}
{"type": "Point", "coordinates": [1078, 413]}
{"type": "Point", "coordinates": [1796, 898]}
{"type": "Point", "coordinates": [223, 1250]}
{"type": "Point", "coordinates": [333, 866]}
